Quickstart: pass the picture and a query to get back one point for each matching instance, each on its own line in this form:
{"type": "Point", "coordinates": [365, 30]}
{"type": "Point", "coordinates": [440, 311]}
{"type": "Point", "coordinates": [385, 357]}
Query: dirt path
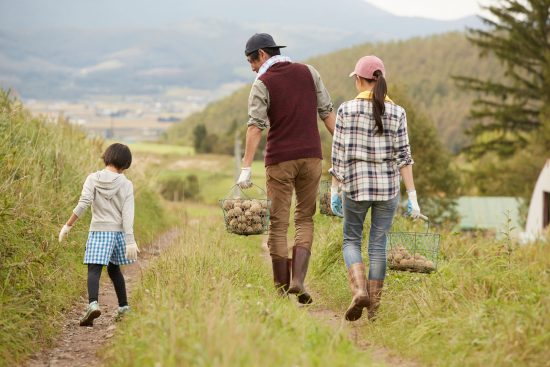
{"type": "Point", "coordinates": [354, 330]}
{"type": "Point", "coordinates": [356, 333]}
{"type": "Point", "coordinates": [76, 345]}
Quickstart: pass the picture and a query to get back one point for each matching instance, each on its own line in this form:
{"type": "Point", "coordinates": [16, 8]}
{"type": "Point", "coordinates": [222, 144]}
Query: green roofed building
{"type": "Point", "coordinates": [489, 213]}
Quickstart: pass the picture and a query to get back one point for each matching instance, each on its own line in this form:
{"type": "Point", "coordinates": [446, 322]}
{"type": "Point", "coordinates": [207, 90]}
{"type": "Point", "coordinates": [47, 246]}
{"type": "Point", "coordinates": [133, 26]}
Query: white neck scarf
{"type": "Point", "coordinates": [270, 62]}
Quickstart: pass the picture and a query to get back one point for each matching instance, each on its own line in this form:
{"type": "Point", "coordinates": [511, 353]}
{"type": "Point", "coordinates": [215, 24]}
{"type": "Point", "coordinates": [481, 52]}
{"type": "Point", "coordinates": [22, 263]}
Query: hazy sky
{"type": "Point", "coordinates": [436, 9]}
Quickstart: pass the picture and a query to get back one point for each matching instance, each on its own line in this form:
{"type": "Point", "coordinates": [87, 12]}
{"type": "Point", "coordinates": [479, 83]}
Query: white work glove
{"type": "Point", "coordinates": [413, 209]}
{"type": "Point", "coordinates": [131, 251]}
{"type": "Point", "coordinates": [64, 232]}
{"type": "Point", "coordinates": [244, 180]}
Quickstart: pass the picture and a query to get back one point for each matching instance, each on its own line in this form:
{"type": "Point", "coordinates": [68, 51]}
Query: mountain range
{"type": "Point", "coordinates": [71, 49]}
{"type": "Point", "coordinates": [420, 69]}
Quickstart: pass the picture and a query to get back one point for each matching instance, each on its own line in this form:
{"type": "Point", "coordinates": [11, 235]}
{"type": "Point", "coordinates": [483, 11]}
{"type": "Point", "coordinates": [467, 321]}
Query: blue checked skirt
{"type": "Point", "coordinates": [105, 247]}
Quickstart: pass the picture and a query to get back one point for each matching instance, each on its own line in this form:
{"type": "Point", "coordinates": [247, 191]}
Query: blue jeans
{"type": "Point", "coordinates": [381, 220]}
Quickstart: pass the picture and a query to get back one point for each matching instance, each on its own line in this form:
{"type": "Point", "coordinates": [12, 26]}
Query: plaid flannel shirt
{"type": "Point", "coordinates": [365, 163]}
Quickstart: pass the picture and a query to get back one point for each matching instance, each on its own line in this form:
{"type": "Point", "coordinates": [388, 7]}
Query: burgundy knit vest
{"type": "Point", "coordinates": [293, 132]}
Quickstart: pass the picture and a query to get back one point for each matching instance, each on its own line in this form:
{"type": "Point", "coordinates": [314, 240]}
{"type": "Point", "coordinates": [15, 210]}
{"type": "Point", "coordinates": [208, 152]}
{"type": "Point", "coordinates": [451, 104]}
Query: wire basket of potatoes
{"type": "Point", "coordinates": [244, 215]}
{"type": "Point", "coordinates": [324, 198]}
{"type": "Point", "coordinates": [413, 251]}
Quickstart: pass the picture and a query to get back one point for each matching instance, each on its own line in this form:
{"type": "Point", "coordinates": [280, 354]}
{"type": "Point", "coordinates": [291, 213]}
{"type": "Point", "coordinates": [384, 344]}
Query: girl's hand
{"type": "Point", "coordinates": [131, 251]}
{"type": "Point", "coordinates": [64, 232]}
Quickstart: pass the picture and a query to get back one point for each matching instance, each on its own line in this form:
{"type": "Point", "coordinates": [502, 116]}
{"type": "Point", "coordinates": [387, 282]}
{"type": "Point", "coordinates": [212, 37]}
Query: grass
{"type": "Point", "coordinates": [486, 306]}
{"type": "Point", "coordinates": [42, 169]}
{"type": "Point", "coordinates": [210, 301]}
{"type": "Point", "coordinates": [216, 174]}
{"type": "Point", "coordinates": [162, 149]}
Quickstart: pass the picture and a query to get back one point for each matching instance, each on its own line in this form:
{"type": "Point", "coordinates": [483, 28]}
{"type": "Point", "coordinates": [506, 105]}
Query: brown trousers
{"type": "Point", "coordinates": [302, 175]}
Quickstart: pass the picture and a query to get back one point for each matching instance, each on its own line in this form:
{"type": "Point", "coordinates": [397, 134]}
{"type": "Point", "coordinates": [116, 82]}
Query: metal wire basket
{"type": "Point", "coordinates": [413, 251]}
{"type": "Point", "coordinates": [324, 198]}
{"type": "Point", "coordinates": [244, 215]}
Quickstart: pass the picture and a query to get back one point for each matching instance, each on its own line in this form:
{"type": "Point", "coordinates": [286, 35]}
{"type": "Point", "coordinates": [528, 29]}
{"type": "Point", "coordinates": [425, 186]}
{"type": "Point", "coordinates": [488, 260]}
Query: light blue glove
{"type": "Point", "coordinates": [336, 202]}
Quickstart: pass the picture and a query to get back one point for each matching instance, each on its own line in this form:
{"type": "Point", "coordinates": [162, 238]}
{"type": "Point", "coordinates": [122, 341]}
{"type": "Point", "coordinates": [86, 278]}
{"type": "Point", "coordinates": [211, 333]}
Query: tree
{"type": "Point", "coordinates": [509, 111]}
{"type": "Point", "coordinates": [199, 135]}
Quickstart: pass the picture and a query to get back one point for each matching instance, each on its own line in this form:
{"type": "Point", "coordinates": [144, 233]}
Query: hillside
{"type": "Point", "coordinates": [42, 169]}
{"type": "Point", "coordinates": [71, 50]}
{"type": "Point", "coordinates": [420, 67]}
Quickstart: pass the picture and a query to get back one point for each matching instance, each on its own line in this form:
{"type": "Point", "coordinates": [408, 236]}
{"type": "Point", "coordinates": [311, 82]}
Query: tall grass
{"type": "Point", "coordinates": [162, 149]}
{"type": "Point", "coordinates": [210, 301]}
{"type": "Point", "coordinates": [215, 174]}
{"type": "Point", "coordinates": [42, 169]}
{"type": "Point", "coordinates": [488, 304]}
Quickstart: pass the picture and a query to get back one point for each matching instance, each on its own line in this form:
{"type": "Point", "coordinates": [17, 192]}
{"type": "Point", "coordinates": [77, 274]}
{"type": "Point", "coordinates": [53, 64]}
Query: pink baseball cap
{"type": "Point", "coordinates": [367, 65]}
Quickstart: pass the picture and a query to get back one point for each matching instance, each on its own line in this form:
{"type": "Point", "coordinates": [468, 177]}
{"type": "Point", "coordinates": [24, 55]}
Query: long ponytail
{"type": "Point", "coordinates": [378, 97]}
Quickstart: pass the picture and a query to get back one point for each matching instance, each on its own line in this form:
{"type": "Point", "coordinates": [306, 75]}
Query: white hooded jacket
{"type": "Point", "coordinates": [111, 196]}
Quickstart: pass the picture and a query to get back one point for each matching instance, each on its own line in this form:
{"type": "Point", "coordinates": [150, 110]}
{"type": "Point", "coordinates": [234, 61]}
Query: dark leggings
{"type": "Point", "coordinates": [94, 273]}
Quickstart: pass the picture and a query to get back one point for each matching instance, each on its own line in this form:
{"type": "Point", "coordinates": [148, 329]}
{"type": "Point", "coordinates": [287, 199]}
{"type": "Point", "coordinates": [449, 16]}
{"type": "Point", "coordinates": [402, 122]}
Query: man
{"type": "Point", "coordinates": [286, 98]}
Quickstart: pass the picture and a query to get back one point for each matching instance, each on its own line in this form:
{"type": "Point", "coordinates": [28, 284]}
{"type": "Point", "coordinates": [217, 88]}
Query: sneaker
{"type": "Point", "coordinates": [121, 312]}
{"type": "Point", "coordinates": [92, 312]}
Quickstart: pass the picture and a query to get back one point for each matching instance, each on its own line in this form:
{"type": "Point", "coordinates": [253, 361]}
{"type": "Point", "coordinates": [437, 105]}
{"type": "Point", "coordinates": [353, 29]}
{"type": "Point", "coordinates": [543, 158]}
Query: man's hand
{"type": "Point", "coordinates": [336, 202]}
{"type": "Point", "coordinates": [244, 180]}
{"type": "Point", "coordinates": [413, 209]}
{"type": "Point", "coordinates": [64, 232]}
{"type": "Point", "coordinates": [131, 251]}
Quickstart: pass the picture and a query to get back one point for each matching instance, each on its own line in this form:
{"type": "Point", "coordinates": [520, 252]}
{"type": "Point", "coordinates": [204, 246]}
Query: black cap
{"type": "Point", "coordinates": [259, 40]}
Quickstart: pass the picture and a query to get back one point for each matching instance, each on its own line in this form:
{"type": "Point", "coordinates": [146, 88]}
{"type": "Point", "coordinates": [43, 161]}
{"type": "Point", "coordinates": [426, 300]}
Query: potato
{"type": "Point", "coordinates": [246, 204]}
{"type": "Point", "coordinates": [398, 257]}
{"type": "Point", "coordinates": [237, 204]}
{"type": "Point", "coordinates": [248, 213]}
{"type": "Point", "coordinates": [406, 262]}
{"type": "Point", "coordinates": [227, 204]}
{"type": "Point", "coordinates": [258, 227]}
{"type": "Point", "coordinates": [324, 204]}
{"type": "Point", "coordinates": [256, 219]}
{"type": "Point", "coordinates": [419, 263]}
{"type": "Point", "coordinates": [418, 256]}
{"type": "Point", "coordinates": [242, 219]}
{"type": "Point", "coordinates": [256, 208]}
{"type": "Point", "coordinates": [237, 210]}
{"type": "Point", "coordinates": [429, 264]}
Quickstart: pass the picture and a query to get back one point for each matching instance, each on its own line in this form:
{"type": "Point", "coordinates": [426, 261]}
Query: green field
{"type": "Point", "coordinates": [162, 149]}
{"type": "Point", "coordinates": [209, 300]}
{"type": "Point", "coordinates": [486, 305]}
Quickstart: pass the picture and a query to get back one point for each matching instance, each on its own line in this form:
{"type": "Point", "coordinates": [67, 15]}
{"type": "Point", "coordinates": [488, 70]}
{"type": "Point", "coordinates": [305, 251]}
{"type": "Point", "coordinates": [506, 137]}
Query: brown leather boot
{"type": "Point", "coordinates": [300, 261]}
{"type": "Point", "coordinates": [374, 289]}
{"type": "Point", "coordinates": [358, 284]}
{"type": "Point", "coordinates": [281, 275]}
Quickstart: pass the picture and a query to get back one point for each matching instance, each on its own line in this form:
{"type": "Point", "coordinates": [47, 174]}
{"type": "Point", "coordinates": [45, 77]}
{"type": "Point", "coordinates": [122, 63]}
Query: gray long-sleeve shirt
{"type": "Point", "coordinates": [111, 196]}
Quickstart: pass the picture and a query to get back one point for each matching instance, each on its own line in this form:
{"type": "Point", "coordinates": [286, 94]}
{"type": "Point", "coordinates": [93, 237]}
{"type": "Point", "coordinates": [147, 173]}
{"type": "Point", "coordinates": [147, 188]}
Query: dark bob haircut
{"type": "Point", "coordinates": [117, 155]}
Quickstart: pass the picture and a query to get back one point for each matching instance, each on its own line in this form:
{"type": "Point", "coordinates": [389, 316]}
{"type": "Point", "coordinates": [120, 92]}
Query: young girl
{"type": "Point", "coordinates": [111, 238]}
{"type": "Point", "coordinates": [370, 151]}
